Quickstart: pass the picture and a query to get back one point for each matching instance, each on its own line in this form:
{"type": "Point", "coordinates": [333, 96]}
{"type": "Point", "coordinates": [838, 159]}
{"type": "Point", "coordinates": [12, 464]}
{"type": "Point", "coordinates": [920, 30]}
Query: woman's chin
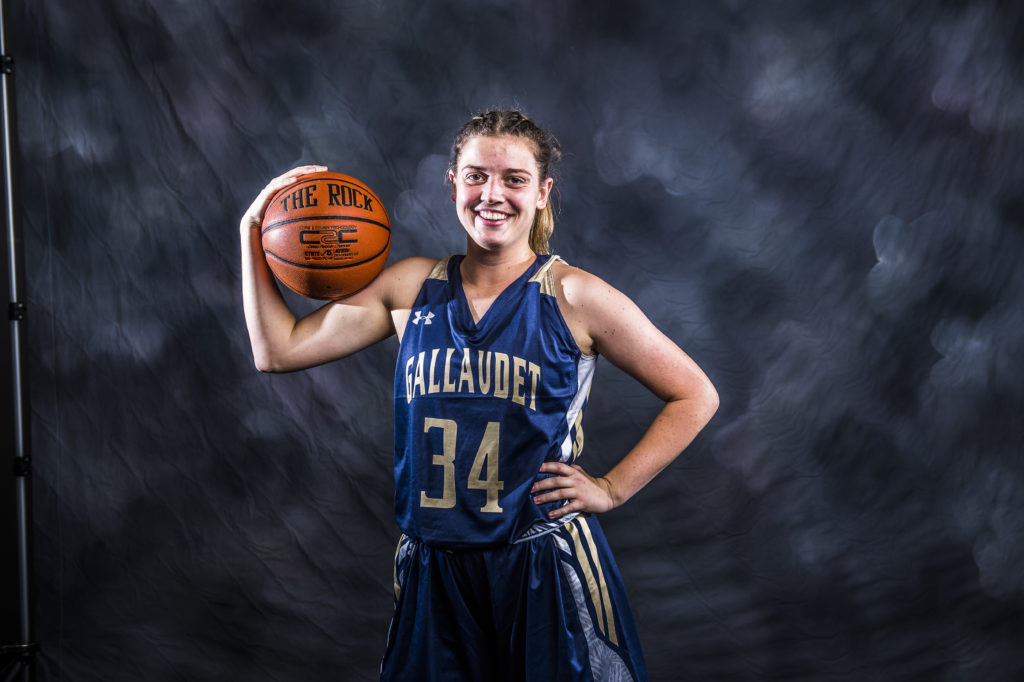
{"type": "Point", "coordinates": [488, 239]}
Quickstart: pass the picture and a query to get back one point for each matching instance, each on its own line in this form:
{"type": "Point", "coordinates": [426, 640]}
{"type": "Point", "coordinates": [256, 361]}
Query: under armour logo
{"type": "Point", "coordinates": [420, 316]}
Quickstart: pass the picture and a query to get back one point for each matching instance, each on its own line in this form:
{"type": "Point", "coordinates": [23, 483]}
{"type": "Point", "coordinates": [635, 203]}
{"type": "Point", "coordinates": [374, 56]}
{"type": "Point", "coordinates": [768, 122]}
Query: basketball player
{"type": "Point", "coordinates": [503, 572]}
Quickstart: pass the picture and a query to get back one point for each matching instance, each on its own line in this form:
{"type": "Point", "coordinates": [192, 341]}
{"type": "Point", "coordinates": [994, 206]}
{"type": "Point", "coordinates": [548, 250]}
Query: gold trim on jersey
{"type": "Point", "coordinates": [440, 270]}
{"type": "Point", "coordinates": [596, 584]}
{"type": "Point", "coordinates": [577, 443]}
{"type": "Point", "coordinates": [545, 278]}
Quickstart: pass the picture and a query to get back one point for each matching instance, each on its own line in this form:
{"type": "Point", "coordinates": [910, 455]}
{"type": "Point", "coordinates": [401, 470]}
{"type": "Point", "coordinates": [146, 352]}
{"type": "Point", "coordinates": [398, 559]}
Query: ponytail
{"type": "Point", "coordinates": [542, 229]}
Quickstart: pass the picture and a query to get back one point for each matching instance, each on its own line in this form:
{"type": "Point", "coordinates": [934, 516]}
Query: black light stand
{"type": "Point", "coordinates": [17, 658]}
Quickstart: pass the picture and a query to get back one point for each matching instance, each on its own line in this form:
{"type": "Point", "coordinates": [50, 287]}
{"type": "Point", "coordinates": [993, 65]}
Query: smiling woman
{"type": "Point", "coordinates": [501, 571]}
{"type": "Point", "coordinates": [498, 190]}
{"type": "Point", "coordinates": [544, 152]}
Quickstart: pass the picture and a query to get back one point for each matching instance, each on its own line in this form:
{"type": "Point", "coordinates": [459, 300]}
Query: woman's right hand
{"type": "Point", "coordinates": [253, 218]}
{"type": "Point", "coordinates": [282, 343]}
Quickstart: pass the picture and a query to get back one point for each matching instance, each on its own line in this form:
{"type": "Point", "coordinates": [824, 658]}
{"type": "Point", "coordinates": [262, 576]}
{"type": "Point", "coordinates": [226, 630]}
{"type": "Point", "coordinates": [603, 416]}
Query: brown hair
{"type": "Point", "coordinates": [513, 123]}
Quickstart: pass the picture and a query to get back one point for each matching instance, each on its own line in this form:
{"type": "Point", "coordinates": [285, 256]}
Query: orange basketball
{"type": "Point", "coordinates": [326, 236]}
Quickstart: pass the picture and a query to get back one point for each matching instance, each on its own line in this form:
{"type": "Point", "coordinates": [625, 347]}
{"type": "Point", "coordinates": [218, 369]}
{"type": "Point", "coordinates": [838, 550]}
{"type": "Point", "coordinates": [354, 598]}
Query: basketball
{"type": "Point", "coordinates": [326, 236]}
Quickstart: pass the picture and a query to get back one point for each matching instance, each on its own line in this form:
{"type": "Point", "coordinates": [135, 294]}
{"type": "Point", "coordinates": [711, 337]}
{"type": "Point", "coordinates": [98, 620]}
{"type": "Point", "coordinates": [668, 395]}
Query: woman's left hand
{"type": "Point", "coordinates": [570, 482]}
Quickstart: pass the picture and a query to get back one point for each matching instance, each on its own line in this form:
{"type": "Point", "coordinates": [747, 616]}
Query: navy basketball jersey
{"type": "Point", "coordinates": [480, 406]}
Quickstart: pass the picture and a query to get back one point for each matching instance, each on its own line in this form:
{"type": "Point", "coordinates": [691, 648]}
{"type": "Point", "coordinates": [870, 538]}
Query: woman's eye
{"type": "Point", "coordinates": [515, 180]}
{"type": "Point", "coordinates": [474, 177]}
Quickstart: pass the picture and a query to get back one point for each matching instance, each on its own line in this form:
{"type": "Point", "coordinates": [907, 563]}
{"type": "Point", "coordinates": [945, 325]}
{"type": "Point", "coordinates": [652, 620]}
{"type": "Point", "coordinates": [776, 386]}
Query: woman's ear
{"type": "Point", "coordinates": [545, 192]}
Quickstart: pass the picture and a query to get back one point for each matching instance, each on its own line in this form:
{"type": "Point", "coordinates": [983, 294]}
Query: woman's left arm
{"type": "Point", "coordinates": [607, 322]}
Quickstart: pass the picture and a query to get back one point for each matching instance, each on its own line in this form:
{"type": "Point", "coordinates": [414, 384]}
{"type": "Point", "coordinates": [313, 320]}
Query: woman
{"type": "Point", "coordinates": [501, 572]}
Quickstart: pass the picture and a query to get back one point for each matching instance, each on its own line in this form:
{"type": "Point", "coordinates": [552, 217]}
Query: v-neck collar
{"type": "Point", "coordinates": [465, 313]}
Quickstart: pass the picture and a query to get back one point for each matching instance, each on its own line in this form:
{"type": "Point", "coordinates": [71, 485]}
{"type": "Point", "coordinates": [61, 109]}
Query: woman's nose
{"type": "Point", "coordinates": [491, 191]}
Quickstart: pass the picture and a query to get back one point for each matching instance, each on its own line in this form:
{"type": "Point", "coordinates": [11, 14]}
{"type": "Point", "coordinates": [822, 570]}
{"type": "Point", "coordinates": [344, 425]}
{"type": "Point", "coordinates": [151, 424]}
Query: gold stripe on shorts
{"type": "Point", "coordinates": [595, 583]}
{"type": "Point", "coordinates": [605, 596]}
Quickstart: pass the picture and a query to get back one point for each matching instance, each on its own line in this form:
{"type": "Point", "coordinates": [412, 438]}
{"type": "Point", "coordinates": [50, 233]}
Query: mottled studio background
{"type": "Point", "coordinates": [822, 202]}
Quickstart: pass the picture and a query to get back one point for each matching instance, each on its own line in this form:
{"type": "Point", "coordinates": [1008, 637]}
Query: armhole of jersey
{"type": "Point", "coordinates": [438, 273]}
{"type": "Point", "coordinates": [546, 280]}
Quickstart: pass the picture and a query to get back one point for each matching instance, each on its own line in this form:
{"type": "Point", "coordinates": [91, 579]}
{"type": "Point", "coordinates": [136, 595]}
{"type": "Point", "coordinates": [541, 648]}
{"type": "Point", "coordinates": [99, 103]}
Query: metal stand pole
{"type": "Point", "coordinates": [17, 657]}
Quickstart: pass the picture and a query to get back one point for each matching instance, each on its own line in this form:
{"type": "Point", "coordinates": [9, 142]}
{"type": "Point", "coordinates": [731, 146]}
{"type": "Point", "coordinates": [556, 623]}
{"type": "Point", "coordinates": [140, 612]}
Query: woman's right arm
{"type": "Point", "coordinates": [280, 342]}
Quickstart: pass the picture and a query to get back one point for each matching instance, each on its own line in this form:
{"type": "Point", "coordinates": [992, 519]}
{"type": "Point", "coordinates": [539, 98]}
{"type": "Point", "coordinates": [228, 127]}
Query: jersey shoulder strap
{"type": "Point", "coordinates": [440, 270]}
{"type": "Point", "coordinates": [544, 277]}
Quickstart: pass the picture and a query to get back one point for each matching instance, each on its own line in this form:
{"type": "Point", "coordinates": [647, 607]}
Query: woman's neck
{"type": "Point", "coordinates": [486, 270]}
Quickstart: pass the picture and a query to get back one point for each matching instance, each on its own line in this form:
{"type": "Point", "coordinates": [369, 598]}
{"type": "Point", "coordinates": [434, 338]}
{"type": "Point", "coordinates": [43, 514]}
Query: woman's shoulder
{"type": "Point", "coordinates": [576, 286]}
{"type": "Point", "coordinates": [584, 299]}
{"type": "Point", "coordinates": [403, 279]}
{"type": "Point", "coordinates": [415, 266]}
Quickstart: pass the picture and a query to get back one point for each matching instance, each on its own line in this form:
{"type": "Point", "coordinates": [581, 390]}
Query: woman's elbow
{"type": "Point", "coordinates": [267, 363]}
{"type": "Point", "coordinates": [711, 401]}
{"type": "Point", "coordinates": [263, 366]}
{"type": "Point", "coordinates": [707, 398]}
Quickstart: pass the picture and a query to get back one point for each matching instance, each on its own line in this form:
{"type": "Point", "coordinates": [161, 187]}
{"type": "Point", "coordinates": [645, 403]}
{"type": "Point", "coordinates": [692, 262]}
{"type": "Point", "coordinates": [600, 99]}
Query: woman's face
{"type": "Point", "coordinates": [497, 190]}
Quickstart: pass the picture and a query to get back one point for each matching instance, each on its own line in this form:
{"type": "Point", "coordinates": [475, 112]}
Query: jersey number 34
{"type": "Point", "coordinates": [483, 474]}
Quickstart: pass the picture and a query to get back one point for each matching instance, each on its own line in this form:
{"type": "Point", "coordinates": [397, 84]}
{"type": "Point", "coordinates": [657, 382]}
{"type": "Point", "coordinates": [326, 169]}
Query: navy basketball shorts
{"type": "Point", "coordinates": [547, 609]}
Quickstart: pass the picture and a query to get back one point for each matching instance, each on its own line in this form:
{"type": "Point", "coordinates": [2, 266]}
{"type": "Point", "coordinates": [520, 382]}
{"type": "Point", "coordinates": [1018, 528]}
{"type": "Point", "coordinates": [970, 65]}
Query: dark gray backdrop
{"type": "Point", "coordinates": [820, 201]}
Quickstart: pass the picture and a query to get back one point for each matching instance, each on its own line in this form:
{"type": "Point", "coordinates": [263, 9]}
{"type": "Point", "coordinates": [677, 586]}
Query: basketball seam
{"type": "Point", "coordinates": [268, 228]}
